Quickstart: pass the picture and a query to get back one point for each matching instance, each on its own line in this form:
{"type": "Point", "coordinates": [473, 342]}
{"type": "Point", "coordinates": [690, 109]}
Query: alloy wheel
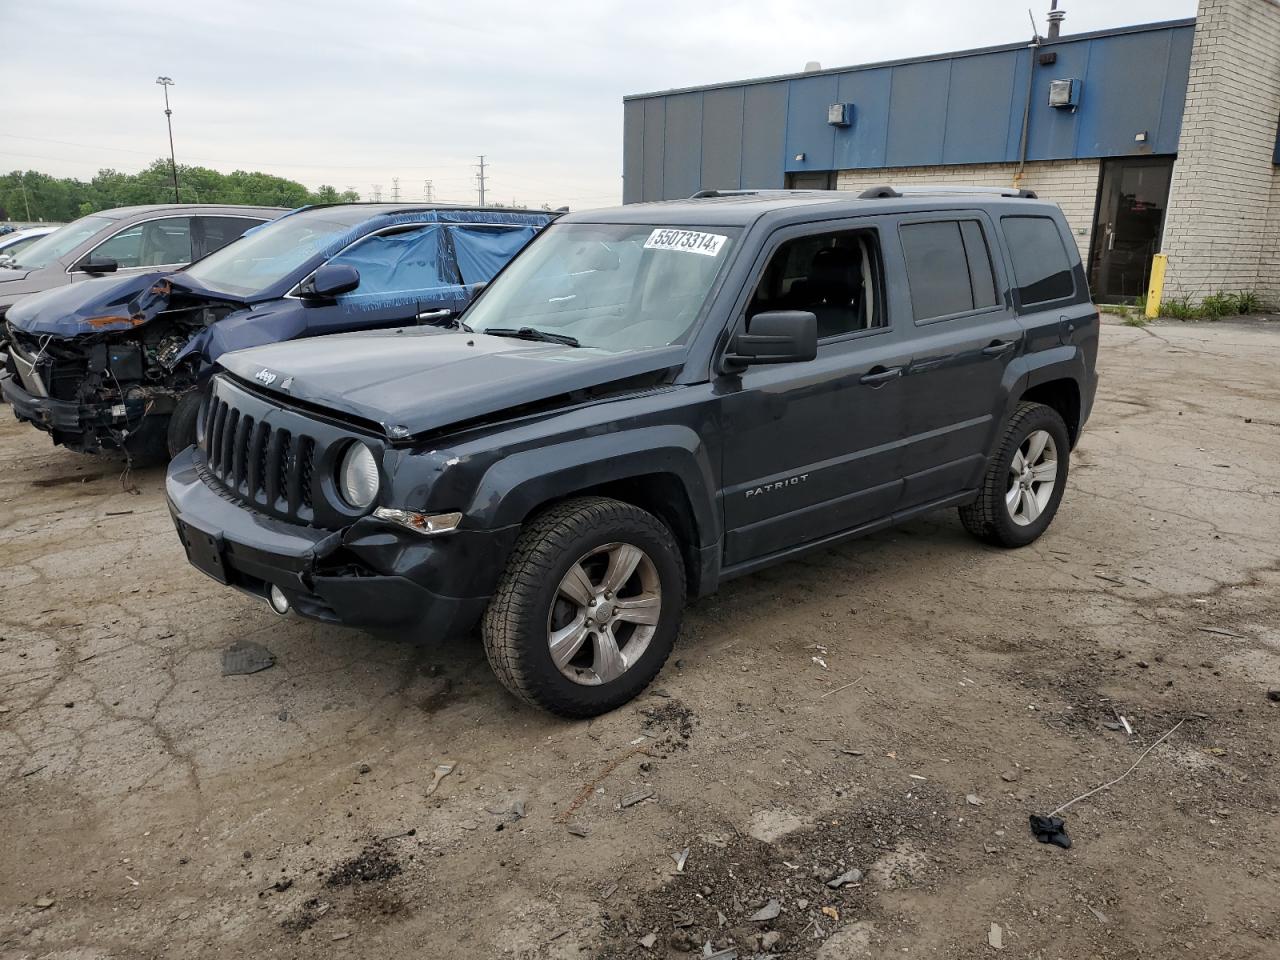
{"type": "Point", "coordinates": [1033, 474]}
{"type": "Point", "coordinates": [604, 614]}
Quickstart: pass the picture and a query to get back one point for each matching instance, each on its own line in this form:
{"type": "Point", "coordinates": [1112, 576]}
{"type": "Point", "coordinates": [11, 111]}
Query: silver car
{"type": "Point", "coordinates": [125, 240]}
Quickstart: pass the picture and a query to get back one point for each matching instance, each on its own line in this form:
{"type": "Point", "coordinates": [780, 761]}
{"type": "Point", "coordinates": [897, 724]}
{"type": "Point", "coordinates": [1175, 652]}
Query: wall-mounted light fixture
{"type": "Point", "coordinates": [1140, 137]}
{"type": "Point", "coordinates": [840, 114]}
{"type": "Point", "coordinates": [799, 158]}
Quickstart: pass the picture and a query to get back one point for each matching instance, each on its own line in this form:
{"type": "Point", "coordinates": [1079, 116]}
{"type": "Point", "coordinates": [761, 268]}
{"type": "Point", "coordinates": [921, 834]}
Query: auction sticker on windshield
{"type": "Point", "coordinates": [685, 241]}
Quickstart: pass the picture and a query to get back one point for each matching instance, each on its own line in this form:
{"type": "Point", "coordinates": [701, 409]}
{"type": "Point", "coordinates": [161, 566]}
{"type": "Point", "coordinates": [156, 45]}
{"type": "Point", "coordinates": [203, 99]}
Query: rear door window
{"type": "Point", "coordinates": [1041, 265]}
{"type": "Point", "coordinates": [937, 269]}
{"type": "Point", "coordinates": [214, 233]}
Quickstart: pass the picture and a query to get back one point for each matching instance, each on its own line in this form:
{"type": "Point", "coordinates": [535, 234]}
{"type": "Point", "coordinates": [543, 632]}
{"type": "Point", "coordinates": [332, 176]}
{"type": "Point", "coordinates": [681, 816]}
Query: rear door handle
{"type": "Point", "coordinates": [880, 375]}
{"type": "Point", "coordinates": [997, 347]}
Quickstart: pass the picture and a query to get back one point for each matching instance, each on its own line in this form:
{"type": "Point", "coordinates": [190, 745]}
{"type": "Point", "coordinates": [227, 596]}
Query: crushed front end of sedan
{"type": "Point", "coordinates": [114, 364]}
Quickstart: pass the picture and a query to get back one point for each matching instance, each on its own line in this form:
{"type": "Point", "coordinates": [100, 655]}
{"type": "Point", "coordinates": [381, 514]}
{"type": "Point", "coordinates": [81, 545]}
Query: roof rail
{"type": "Point", "coordinates": [882, 192]}
{"type": "Point", "coordinates": [750, 192]}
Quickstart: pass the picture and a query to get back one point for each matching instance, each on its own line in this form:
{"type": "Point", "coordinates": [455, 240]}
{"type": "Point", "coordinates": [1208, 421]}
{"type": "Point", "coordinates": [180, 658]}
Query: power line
{"type": "Point", "coordinates": [480, 180]}
{"type": "Point", "coordinates": [395, 189]}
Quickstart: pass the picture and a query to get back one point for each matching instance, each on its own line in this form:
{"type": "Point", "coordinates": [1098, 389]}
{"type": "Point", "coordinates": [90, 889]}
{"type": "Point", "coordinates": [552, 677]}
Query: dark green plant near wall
{"type": "Point", "coordinates": [1212, 307]}
{"type": "Point", "coordinates": [31, 195]}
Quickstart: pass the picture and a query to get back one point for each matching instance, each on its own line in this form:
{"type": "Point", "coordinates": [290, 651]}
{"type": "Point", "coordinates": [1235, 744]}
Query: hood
{"type": "Point", "coordinates": [95, 306]}
{"type": "Point", "coordinates": [15, 284]}
{"type": "Point", "coordinates": [418, 379]}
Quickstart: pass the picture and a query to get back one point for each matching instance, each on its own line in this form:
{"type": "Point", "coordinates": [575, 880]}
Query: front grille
{"type": "Point", "coordinates": [258, 463]}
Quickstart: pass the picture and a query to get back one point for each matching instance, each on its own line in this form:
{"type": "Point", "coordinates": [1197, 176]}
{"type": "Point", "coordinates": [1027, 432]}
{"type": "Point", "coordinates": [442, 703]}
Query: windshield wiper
{"type": "Point", "coordinates": [529, 333]}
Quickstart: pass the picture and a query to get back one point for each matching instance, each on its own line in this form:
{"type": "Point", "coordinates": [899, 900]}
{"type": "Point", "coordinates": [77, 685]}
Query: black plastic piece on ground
{"type": "Point", "coordinates": [1050, 830]}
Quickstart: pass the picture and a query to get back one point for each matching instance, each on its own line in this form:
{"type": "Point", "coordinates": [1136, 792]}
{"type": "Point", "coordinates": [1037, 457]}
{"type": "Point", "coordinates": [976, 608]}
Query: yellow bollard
{"type": "Point", "coordinates": [1156, 288]}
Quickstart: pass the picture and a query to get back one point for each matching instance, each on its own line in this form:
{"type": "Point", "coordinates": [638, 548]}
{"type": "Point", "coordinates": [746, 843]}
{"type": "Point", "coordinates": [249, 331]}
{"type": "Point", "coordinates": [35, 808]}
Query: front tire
{"type": "Point", "coordinates": [1025, 479]}
{"type": "Point", "coordinates": [588, 609]}
{"type": "Point", "coordinates": [182, 423]}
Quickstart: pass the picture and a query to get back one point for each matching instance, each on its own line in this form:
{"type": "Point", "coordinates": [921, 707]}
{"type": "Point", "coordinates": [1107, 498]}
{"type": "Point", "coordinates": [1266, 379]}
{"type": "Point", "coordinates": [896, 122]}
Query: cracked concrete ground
{"type": "Point", "coordinates": [152, 807]}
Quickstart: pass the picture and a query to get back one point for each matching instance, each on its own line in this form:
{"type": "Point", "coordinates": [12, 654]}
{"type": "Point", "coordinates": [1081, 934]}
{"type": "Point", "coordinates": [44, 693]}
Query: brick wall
{"type": "Point", "coordinates": [1223, 222]}
{"type": "Point", "coordinates": [1072, 184]}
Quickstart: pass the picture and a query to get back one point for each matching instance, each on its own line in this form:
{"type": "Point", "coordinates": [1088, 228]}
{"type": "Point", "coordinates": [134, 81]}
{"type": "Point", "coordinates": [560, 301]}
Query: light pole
{"type": "Point", "coordinates": [167, 82]}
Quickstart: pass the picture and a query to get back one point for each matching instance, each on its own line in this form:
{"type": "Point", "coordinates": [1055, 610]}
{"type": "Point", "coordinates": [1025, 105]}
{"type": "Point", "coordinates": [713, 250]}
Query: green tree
{"type": "Point", "coordinates": [31, 195]}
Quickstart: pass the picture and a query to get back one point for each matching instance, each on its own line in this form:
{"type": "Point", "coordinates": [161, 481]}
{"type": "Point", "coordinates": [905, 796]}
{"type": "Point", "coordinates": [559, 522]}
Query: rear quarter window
{"type": "Point", "coordinates": [949, 268]}
{"type": "Point", "coordinates": [1041, 266]}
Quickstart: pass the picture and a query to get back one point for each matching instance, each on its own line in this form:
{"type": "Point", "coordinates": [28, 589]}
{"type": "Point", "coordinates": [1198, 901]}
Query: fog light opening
{"type": "Point", "coordinates": [278, 601]}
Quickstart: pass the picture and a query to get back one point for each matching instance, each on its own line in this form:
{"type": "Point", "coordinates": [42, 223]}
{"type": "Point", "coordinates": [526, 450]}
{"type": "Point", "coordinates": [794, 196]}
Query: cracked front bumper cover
{"type": "Point", "coordinates": [369, 575]}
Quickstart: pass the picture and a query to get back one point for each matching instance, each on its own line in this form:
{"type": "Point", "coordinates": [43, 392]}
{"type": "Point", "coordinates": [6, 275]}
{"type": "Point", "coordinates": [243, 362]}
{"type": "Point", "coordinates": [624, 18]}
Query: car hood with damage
{"type": "Point", "coordinates": [102, 305]}
{"type": "Point", "coordinates": [413, 381]}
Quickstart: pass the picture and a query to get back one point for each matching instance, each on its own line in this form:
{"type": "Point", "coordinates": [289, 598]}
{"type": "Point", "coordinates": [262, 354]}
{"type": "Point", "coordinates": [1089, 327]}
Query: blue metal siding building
{"type": "Point", "coordinates": [959, 108]}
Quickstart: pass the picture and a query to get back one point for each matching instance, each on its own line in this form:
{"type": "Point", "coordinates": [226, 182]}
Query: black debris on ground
{"type": "Point", "coordinates": [373, 864]}
{"type": "Point", "coordinates": [244, 657]}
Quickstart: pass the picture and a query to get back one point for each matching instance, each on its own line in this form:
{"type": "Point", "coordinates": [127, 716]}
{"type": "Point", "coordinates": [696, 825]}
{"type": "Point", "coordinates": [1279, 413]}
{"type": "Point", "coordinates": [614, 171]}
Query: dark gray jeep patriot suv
{"type": "Point", "coordinates": [647, 401]}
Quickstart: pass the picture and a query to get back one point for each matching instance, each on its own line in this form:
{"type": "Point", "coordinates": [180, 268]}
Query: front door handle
{"type": "Point", "coordinates": [998, 347]}
{"type": "Point", "coordinates": [878, 375]}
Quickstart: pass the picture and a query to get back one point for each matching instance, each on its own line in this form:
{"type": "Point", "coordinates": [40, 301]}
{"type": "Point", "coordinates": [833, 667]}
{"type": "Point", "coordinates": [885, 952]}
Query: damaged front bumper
{"type": "Point", "coordinates": [371, 574]}
{"type": "Point", "coordinates": [87, 427]}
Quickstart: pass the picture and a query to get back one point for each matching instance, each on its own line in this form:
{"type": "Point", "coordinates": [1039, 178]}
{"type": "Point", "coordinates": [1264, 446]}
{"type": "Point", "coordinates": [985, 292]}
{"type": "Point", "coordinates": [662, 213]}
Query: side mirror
{"type": "Point", "coordinates": [778, 336]}
{"type": "Point", "coordinates": [92, 264]}
{"type": "Point", "coordinates": [329, 281]}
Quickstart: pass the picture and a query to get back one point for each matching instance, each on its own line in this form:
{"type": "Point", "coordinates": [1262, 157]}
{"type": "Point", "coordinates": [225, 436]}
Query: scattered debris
{"type": "Point", "coordinates": [648, 940]}
{"type": "Point", "coordinates": [373, 864]}
{"type": "Point", "coordinates": [608, 891]}
{"type": "Point", "coordinates": [768, 912]}
{"type": "Point", "coordinates": [411, 832]}
{"type": "Point", "coordinates": [365, 768]}
{"type": "Point", "coordinates": [820, 662]}
{"type": "Point", "coordinates": [728, 953]}
{"type": "Point", "coordinates": [1128, 727]}
{"type": "Point", "coordinates": [852, 875]}
{"type": "Point", "coordinates": [511, 812]}
{"type": "Point", "coordinates": [589, 787]}
{"type": "Point", "coordinates": [832, 912]}
{"type": "Point", "coordinates": [637, 796]}
{"type": "Point", "coordinates": [680, 859]}
{"type": "Point", "coordinates": [1274, 695]}
{"type": "Point", "coordinates": [1102, 917]}
{"type": "Point", "coordinates": [578, 829]}
{"type": "Point", "coordinates": [244, 657]}
{"type": "Point", "coordinates": [44, 903]}
{"type": "Point", "coordinates": [973, 800]}
{"type": "Point", "coordinates": [441, 771]}
{"type": "Point", "coordinates": [995, 937]}
{"type": "Point", "coordinates": [1009, 776]}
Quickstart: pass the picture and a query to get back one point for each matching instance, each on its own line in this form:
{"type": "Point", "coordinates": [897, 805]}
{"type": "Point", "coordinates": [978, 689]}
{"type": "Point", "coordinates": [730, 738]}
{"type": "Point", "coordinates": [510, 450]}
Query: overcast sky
{"type": "Point", "coordinates": [355, 93]}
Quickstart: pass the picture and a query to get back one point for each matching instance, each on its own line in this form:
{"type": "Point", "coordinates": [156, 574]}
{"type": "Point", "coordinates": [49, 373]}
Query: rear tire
{"type": "Point", "coordinates": [182, 423]}
{"type": "Point", "coordinates": [588, 609]}
{"type": "Point", "coordinates": [1025, 479]}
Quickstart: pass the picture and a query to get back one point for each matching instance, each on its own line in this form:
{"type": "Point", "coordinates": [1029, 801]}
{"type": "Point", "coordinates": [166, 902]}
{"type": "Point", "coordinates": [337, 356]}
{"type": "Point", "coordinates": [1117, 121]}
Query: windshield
{"type": "Point", "coordinates": [614, 287]}
{"type": "Point", "coordinates": [268, 254]}
{"type": "Point", "coordinates": [58, 244]}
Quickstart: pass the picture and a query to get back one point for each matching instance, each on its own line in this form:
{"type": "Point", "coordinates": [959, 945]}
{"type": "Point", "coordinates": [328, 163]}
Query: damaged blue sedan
{"type": "Point", "coordinates": [114, 364]}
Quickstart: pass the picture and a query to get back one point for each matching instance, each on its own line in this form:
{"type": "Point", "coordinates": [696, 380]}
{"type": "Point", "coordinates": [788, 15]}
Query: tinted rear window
{"type": "Point", "coordinates": [1041, 266]}
{"type": "Point", "coordinates": [937, 270]}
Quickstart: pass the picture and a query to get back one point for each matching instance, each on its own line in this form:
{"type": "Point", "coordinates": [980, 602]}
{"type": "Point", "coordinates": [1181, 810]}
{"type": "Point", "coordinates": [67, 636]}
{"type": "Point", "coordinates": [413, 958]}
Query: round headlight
{"type": "Point", "coordinates": [358, 476]}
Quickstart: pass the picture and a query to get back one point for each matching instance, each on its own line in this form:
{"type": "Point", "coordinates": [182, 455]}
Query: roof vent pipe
{"type": "Point", "coordinates": [1056, 17]}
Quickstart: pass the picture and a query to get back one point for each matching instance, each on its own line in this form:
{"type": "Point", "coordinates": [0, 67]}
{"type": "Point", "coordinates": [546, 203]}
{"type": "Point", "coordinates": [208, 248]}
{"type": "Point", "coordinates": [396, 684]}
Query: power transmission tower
{"type": "Point", "coordinates": [377, 193]}
{"type": "Point", "coordinates": [395, 189]}
{"type": "Point", "coordinates": [428, 190]}
{"type": "Point", "coordinates": [480, 178]}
